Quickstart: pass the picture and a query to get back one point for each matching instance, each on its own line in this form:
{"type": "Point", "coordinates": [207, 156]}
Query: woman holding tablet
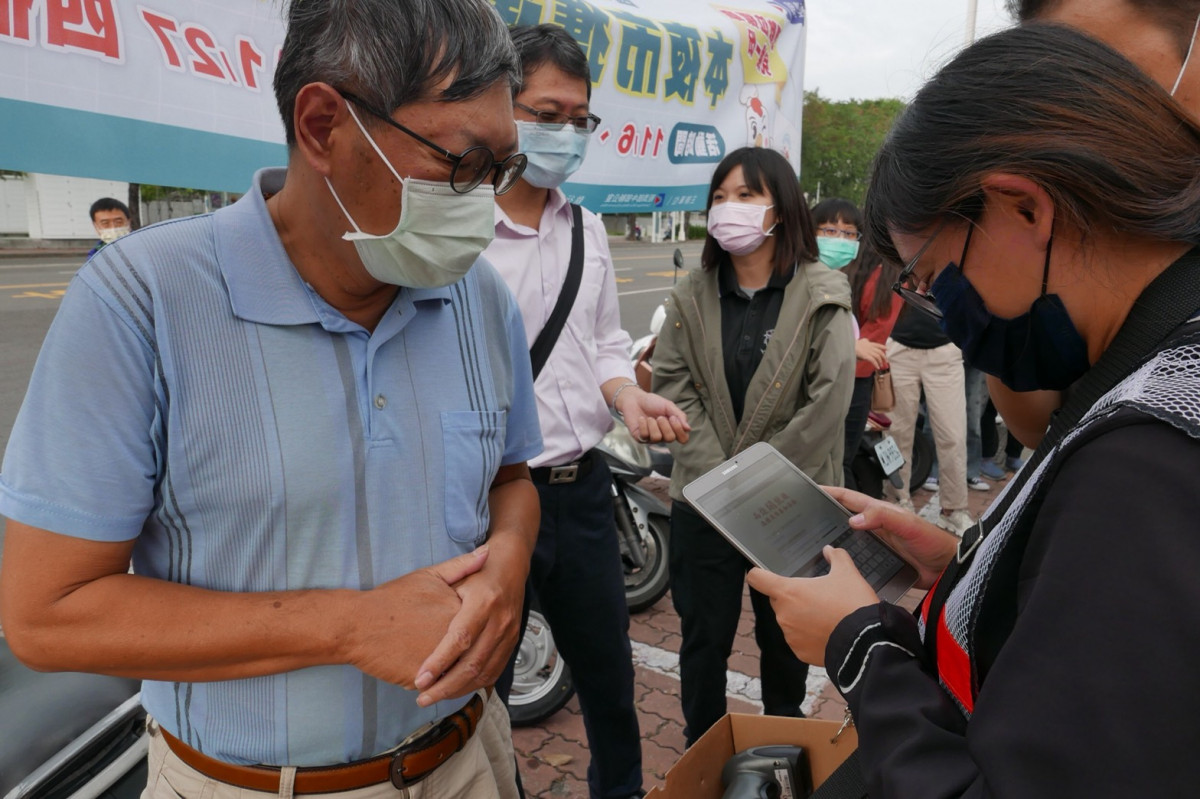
{"type": "Point", "coordinates": [1053, 230]}
{"type": "Point", "coordinates": [757, 345]}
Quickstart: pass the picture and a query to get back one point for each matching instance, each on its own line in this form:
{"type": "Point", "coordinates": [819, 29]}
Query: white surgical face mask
{"type": "Point", "coordinates": [438, 237]}
{"type": "Point", "coordinates": [111, 234]}
{"type": "Point", "coordinates": [1187, 58]}
{"type": "Point", "coordinates": [738, 227]}
{"type": "Point", "coordinates": [554, 155]}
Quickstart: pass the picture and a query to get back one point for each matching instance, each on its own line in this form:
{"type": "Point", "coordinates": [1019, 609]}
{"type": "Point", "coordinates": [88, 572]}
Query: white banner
{"type": "Point", "coordinates": [678, 85]}
{"type": "Point", "coordinates": [178, 92]}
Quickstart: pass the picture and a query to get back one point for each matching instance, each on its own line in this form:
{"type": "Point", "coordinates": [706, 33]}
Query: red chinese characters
{"type": "Point", "coordinates": [83, 26]}
{"type": "Point", "coordinates": [88, 26]}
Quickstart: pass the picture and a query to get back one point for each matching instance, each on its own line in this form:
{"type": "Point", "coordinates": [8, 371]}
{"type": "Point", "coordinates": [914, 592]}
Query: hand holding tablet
{"type": "Point", "coordinates": [777, 517]}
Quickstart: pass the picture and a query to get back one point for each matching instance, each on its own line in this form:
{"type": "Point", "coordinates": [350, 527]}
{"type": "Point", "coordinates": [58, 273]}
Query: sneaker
{"type": "Point", "coordinates": [1013, 464]}
{"type": "Point", "coordinates": [978, 484]}
{"type": "Point", "coordinates": [993, 470]}
{"type": "Point", "coordinates": [930, 484]}
{"type": "Point", "coordinates": [956, 521]}
{"type": "Point", "coordinates": [906, 504]}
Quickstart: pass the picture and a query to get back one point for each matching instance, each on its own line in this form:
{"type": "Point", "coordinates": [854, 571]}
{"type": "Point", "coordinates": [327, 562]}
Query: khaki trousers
{"type": "Point", "coordinates": [940, 372]}
{"type": "Point", "coordinates": [484, 769]}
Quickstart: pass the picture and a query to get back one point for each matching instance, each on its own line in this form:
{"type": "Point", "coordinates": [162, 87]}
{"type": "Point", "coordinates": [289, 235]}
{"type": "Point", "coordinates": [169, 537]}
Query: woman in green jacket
{"type": "Point", "coordinates": [757, 345]}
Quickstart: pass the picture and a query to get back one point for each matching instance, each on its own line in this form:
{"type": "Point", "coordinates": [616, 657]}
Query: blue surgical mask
{"type": "Point", "coordinates": [1040, 349]}
{"type": "Point", "coordinates": [554, 155]}
{"type": "Point", "coordinates": [836, 252]}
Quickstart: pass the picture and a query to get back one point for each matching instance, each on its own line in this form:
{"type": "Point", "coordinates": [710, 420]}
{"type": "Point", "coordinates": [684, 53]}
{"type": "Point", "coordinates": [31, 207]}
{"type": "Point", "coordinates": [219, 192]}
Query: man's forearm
{"type": "Point", "coordinates": [515, 511]}
{"type": "Point", "coordinates": [145, 628]}
{"type": "Point", "coordinates": [68, 604]}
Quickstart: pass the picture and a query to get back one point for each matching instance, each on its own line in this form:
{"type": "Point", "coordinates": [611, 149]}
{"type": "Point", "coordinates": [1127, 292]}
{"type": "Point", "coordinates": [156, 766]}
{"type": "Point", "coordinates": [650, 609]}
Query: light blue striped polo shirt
{"type": "Point", "coordinates": [193, 392]}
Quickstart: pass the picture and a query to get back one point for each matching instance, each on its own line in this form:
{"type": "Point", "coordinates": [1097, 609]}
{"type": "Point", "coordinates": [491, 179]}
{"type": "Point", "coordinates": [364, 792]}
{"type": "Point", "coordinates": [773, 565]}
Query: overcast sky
{"type": "Point", "coordinates": [866, 49]}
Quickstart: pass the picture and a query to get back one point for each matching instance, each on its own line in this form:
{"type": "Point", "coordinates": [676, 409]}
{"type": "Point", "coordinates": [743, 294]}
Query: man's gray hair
{"type": "Point", "coordinates": [393, 52]}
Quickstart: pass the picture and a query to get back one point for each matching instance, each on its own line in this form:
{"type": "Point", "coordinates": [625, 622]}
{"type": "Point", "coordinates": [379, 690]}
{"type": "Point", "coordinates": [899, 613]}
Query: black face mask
{"type": "Point", "coordinates": [1041, 349]}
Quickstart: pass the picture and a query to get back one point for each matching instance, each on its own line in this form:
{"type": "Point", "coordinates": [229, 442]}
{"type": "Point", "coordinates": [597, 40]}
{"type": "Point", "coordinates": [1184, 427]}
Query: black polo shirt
{"type": "Point", "coordinates": [747, 322]}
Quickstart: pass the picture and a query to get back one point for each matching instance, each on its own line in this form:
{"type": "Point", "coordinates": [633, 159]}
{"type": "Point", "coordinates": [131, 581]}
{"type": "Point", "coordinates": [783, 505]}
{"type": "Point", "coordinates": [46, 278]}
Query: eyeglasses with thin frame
{"type": "Point", "coordinates": [921, 300]}
{"type": "Point", "coordinates": [471, 167]}
{"type": "Point", "coordinates": [837, 233]}
{"type": "Point", "coordinates": [552, 119]}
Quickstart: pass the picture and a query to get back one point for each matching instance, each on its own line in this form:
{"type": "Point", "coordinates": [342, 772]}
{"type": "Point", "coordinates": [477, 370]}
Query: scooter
{"type": "Point", "coordinates": [68, 735]}
{"type": "Point", "coordinates": [643, 520]}
{"type": "Point", "coordinates": [878, 458]}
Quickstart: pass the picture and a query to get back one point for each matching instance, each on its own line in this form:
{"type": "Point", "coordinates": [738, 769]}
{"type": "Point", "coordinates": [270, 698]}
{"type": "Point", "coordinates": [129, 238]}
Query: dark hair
{"type": "Point", "coordinates": [766, 171]}
{"type": "Point", "coordinates": [835, 209]}
{"type": "Point", "coordinates": [107, 204]}
{"type": "Point", "coordinates": [1176, 16]}
{"type": "Point", "coordinates": [538, 45]}
{"type": "Point", "coordinates": [859, 271]}
{"type": "Point", "coordinates": [1046, 102]}
{"type": "Point", "coordinates": [392, 52]}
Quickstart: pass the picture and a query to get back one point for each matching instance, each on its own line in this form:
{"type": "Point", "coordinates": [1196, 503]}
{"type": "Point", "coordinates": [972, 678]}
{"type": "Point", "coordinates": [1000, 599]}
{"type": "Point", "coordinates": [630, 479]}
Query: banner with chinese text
{"type": "Point", "coordinates": [178, 92]}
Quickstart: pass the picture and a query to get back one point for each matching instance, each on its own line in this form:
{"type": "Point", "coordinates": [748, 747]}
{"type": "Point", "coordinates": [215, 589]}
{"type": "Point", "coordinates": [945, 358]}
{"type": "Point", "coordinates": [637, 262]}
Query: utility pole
{"type": "Point", "coordinates": [972, 7]}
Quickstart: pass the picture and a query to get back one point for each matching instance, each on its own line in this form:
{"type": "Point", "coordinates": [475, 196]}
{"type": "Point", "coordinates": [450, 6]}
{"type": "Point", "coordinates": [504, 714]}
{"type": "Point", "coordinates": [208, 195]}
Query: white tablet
{"type": "Point", "coordinates": [777, 517]}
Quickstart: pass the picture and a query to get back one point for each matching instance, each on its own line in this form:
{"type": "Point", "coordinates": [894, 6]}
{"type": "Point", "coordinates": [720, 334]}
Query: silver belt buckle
{"type": "Point", "coordinates": [564, 474]}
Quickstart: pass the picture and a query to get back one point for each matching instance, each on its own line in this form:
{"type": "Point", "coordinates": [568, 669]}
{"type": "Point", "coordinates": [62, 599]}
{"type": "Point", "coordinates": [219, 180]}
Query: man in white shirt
{"type": "Point", "coordinates": [576, 569]}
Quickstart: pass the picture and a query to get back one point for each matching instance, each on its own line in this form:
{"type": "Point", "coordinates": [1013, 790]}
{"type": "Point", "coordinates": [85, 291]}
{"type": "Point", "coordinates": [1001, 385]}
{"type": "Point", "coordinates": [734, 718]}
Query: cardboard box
{"type": "Point", "coordinates": [697, 775]}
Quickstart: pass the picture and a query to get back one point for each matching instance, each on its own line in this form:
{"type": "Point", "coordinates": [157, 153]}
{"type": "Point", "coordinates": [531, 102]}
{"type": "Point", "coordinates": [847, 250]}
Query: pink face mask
{"type": "Point", "coordinates": [738, 227]}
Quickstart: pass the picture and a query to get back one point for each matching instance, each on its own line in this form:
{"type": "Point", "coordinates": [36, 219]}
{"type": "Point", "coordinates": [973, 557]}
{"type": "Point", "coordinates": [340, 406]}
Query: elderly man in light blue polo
{"type": "Point", "coordinates": [306, 419]}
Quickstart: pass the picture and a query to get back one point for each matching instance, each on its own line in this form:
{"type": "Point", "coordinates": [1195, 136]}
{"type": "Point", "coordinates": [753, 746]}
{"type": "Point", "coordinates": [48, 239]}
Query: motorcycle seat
{"type": "Point", "coordinates": [879, 420]}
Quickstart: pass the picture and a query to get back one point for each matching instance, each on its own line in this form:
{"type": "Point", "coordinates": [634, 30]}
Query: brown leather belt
{"type": "Point", "coordinates": [406, 766]}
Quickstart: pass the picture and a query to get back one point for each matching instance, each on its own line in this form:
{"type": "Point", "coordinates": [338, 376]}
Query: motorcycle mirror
{"type": "Point", "coordinates": [678, 259]}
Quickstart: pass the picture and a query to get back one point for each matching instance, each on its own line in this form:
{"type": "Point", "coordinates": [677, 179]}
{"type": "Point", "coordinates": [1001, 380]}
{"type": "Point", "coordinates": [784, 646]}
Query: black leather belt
{"type": "Point", "coordinates": [567, 473]}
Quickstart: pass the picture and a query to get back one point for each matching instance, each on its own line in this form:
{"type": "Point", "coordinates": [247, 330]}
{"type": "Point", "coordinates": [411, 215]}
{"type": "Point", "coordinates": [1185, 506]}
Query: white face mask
{"type": "Point", "coordinates": [738, 227]}
{"type": "Point", "coordinates": [554, 155]}
{"type": "Point", "coordinates": [1187, 58]}
{"type": "Point", "coordinates": [111, 234]}
{"type": "Point", "coordinates": [438, 237]}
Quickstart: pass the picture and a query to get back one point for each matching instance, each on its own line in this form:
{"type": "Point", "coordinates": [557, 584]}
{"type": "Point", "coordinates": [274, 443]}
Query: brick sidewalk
{"type": "Point", "coordinates": [553, 757]}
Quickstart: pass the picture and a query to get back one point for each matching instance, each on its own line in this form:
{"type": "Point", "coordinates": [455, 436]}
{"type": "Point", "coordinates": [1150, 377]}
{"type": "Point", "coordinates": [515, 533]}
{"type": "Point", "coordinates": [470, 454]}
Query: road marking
{"type": "Point", "coordinates": [41, 295]}
{"type": "Point", "coordinates": [35, 286]}
{"type": "Point", "coordinates": [664, 289]}
{"type": "Point", "coordinates": [737, 685]}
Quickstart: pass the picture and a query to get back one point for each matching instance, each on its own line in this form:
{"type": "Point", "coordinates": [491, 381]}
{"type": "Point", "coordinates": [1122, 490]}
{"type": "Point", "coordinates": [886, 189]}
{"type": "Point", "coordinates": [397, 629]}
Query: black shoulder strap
{"type": "Point", "coordinates": [546, 340]}
{"type": "Point", "coordinates": [1170, 300]}
{"type": "Point", "coordinates": [846, 782]}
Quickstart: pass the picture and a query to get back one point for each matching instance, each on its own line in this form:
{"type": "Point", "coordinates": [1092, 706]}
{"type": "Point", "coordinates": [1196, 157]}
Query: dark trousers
{"type": "Point", "coordinates": [856, 424]}
{"type": "Point", "coordinates": [580, 582]}
{"type": "Point", "coordinates": [707, 577]}
{"type": "Point", "coordinates": [991, 440]}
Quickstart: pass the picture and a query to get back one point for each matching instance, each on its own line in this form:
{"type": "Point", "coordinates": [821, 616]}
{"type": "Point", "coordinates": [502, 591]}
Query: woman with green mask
{"type": "Point", "coordinates": [838, 224]}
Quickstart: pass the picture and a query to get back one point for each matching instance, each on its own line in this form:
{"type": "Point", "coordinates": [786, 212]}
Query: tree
{"type": "Point", "coordinates": [839, 142]}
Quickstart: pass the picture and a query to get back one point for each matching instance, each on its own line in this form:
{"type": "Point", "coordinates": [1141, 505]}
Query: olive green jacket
{"type": "Point", "coordinates": [799, 395]}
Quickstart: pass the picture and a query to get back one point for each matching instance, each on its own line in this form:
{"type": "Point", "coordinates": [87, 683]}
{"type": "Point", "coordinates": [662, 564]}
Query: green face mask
{"type": "Point", "coordinates": [836, 252]}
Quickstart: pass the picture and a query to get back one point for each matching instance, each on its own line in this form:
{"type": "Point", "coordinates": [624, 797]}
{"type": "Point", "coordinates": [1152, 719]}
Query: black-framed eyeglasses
{"type": "Point", "coordinates": [471, 167]}
{"type": "Point", "coordinates": [836, 233]}
{"type": "Point", "coordinates": [553, 119]}
{"type": "Point", "coordinates": [921, 300]}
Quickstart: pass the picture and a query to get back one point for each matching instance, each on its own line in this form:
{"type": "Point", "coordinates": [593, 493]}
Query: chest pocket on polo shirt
{"type": "Point", "coordinates": [473, 442]}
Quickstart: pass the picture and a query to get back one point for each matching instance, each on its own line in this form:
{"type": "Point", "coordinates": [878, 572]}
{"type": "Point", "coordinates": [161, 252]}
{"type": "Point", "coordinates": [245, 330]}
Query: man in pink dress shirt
{"type": "Point", "coordinates": [576, 570]}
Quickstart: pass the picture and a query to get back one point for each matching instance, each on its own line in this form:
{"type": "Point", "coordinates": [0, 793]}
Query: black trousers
{"type": "Point", "coordinates": [579, 580]}
{"type": "Point", "coordinates": [856, 424]}
{"type": "Point", "coordinates": [707, 577]}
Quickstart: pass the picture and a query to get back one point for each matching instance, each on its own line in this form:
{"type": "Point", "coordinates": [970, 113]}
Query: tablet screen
{"type": "Point", "coordinates": [763, 501]}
